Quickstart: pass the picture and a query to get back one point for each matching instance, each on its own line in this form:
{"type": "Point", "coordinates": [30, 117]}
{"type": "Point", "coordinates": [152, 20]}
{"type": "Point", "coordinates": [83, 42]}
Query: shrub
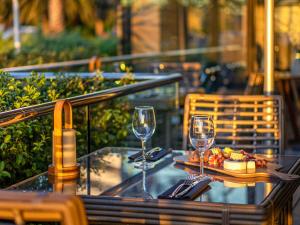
{"type": "Point", "coordinates": [25, 147]}
{"type": "Point", "coordinates": [38, 49]}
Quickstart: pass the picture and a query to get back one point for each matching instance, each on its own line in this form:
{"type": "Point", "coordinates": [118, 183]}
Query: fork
{"type": "Point", "coordinates": [188, 182]}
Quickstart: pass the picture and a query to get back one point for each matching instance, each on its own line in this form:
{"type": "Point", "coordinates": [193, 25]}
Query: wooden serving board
{"type": "Point", "coordinates": [260, 172]}
{"type": "Point", "coordinates": [223, 177]}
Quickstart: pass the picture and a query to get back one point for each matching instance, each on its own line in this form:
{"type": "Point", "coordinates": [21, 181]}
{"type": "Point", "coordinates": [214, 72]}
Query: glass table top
{"type": "Point", "coordinates": [108, 172]}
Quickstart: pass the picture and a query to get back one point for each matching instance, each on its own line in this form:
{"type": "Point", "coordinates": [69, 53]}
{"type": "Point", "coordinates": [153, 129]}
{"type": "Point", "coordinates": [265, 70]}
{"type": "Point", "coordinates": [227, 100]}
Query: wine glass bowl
{"type": "Point", "coordinates": [201, 134]}
{"type": "Point", "coordinates": [143, 126]}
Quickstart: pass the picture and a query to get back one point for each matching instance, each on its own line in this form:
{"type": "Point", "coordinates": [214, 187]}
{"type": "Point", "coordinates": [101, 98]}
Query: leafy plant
{"type": "Point", "coordinates": [25, 147]}
{"type": "Point", "coordinates": [38, 49]}
{"type": "Point", "coordinates": [3, 173]}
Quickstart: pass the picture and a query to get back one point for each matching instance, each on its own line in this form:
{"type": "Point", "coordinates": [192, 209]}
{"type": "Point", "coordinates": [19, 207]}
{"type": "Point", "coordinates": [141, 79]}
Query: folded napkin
{"type": "Point", "coordinates": [195, 191]}
{"type": "Point", "coordinates": [154, 156]}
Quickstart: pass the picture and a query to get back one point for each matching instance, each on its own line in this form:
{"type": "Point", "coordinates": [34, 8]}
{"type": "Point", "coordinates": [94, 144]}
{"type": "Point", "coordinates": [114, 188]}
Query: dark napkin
{"type": "Point", "coordinates": [154, 156]}
{"type": "Point", "coordinates": [198, 189]}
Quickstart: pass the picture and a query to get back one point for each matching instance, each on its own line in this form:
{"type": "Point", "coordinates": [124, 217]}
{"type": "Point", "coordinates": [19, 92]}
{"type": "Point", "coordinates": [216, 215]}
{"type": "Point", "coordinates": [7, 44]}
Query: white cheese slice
{"type": "Point", "coordinates": [251, 167]}
{"type": "Point", "coordinates": [235, 165]}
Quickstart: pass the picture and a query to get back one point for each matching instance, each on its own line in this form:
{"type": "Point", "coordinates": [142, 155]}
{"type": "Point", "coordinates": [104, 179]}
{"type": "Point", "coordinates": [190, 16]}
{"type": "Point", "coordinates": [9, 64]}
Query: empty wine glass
{"type": "Point", "coordinates": [143, 126]}
{"type": "Point", "coordinates": [201, 135]}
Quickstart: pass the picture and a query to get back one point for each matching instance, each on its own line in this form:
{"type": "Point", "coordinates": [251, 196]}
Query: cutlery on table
{"type": "Point", "coordinates": [186, 190]}
{"type": "Point", "coordinates": [189, 181]}
{"type": "Point", "coordinates": [148, 154]}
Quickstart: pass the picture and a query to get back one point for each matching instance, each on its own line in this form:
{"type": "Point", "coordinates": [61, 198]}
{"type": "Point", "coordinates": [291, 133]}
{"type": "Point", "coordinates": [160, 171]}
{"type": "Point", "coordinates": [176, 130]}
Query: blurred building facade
{"type": "Point", "coordinates": [170, 25]}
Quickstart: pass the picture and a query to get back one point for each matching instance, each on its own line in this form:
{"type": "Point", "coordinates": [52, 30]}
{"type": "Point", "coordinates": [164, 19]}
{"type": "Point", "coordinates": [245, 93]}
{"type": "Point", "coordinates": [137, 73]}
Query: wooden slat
{"type": "Point", "coordinates": [245, 122]}
{"type": "Point", "coordinates": [240, 98]}
{"type": "Point", "coordinates": [34, 215]}
{"type": "Point", "coordinates": [163, 216]}
{"type": "Point", "coordinates": [246, 127]}
{"type": "Point", "coordinates": [246, 130]}
{"type": "Point", "coordinates": [94, 209]}
{"type": "Point", "coordinates": [103, 219]}
{"type": "Point", "coordinates": [245, 138]}
{"type": "Point", "coordinates": [224, 105]}
{"type": "Point", "coordinates": [200, 112]}
{"type": "Point", "coordinates": [245, 146]}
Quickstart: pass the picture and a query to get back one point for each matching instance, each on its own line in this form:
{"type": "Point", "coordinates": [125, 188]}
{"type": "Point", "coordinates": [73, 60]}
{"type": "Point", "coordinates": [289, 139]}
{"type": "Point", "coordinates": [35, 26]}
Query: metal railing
{"type": "Point", "coordinates": [22, 114]}
{"type": "Point", "coordinates": [108, 76]}
{"type": "Point", "coordinates": [122, 58]}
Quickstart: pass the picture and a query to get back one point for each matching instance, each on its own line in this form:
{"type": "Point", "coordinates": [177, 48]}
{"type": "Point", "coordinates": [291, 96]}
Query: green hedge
{"type": "Point", "coordinates": [38, 49]}
{"type": "Point", "coordinates": [25, 148]}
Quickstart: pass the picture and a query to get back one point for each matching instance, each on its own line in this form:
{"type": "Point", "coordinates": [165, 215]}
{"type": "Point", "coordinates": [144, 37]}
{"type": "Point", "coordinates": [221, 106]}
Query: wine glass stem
{"type": "Point", "coordinates": [201, 163]}
{"type": "Point", "coordinates": [143, 151]}
{"type": "Point", "coordinates": [144, 180]}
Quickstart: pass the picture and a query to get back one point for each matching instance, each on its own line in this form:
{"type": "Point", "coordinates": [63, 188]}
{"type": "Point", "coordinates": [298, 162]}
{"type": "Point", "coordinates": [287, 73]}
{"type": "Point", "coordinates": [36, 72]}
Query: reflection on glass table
{"type": "Point", "coordinates": [108, 172]}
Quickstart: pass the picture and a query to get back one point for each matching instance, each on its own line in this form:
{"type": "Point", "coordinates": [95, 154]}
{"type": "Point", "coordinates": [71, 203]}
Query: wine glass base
{"type": "Point", "coordinates": [143, 165]}
{"type": "Point", "coordinates": [199, 176]}
{"type": "Point", "coordinates": [144, 195]}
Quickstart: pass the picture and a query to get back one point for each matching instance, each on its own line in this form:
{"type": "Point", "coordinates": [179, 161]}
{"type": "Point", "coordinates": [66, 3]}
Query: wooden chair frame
{"type": "Point", "coordinates": [40, 207]}
{"type": "Point", "coordinates": [242, 122]}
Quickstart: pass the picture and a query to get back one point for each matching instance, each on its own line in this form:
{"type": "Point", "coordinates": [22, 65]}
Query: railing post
{"type": "Point", "coordinates": [269, 48]}
{"type": "Point", "coordinates": [269, 60]}
{"type": "Point", "coordinates": [17, 41]}
{"type": "Point", "coordinates": [88, 122]}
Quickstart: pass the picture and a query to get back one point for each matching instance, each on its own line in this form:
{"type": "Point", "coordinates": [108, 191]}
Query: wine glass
{"type": "Point", "coordinates": [201, 135]}
{"type": "Point", "coordinates": [143, 126]}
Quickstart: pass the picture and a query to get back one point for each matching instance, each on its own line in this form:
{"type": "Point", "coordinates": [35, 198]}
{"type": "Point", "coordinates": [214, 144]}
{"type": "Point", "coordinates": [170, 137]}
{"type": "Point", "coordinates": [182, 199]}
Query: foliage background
{"type": "Point", "coordinates": [38, 49]}
{"type": "Point", "coordinates": [25, 148]}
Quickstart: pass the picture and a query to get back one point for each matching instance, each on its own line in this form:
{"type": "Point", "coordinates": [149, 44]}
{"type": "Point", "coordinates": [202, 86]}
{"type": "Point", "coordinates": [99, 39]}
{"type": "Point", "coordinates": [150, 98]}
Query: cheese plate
{"type": "Point", "coordinates": [267, 172]}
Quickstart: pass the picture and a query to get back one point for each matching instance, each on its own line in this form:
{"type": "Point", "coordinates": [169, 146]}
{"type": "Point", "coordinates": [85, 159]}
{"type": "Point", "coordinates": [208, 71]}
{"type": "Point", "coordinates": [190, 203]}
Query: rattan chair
{"type": "Point", "coordinates": [241, 122]}
{"type": "Point", "coordinates": [40, 207]}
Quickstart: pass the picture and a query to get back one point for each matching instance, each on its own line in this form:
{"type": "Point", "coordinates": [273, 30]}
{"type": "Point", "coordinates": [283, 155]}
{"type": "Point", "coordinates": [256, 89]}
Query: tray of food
{"type": "Point", "coordinates": [237, 163]}
{"type": "Point", "coordinates": [227, 180]}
